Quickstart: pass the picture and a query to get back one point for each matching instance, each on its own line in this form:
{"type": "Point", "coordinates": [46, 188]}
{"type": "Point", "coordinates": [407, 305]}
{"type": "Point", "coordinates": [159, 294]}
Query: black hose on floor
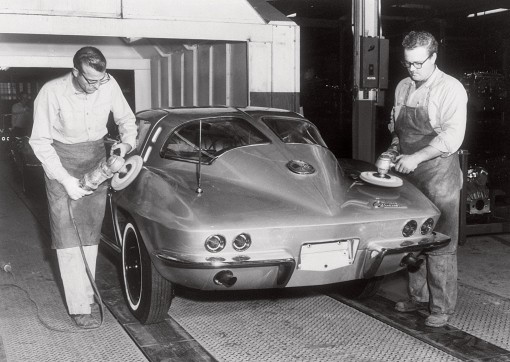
{"type": "Point", "coordinates": [89, 273]}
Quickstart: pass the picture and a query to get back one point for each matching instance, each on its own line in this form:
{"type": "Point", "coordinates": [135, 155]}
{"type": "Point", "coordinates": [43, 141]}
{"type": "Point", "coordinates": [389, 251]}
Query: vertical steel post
{"type": "Point", "coordinates": [365, 20]}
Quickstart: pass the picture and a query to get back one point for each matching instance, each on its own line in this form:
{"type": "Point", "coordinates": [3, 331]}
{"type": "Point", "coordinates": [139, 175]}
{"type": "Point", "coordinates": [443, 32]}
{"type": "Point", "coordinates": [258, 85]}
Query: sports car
{"type": "Point", "coordinates": [252, 198]}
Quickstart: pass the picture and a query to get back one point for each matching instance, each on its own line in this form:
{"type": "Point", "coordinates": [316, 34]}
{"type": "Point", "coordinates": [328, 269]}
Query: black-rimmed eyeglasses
{"type": "Point", "coordinates": [417, 65]}
{"type": "Point", "coordinates": [101, 81]}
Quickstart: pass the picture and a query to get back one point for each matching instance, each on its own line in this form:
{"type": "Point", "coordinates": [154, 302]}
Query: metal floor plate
{"type": "Point", "coordinates": [483, 315]}
{"type": "Point", "coordinates": [34, 294]}
{"type": "Point", "coordinates": [26, 339]}
{"type": "Point", "coordinates": [303, 327]}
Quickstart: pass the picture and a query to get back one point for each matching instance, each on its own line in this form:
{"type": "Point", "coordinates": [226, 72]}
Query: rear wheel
{"type": "Point", "coordinates": [361, 288]}
{"type": "Point", "coordinates": [148, 294]}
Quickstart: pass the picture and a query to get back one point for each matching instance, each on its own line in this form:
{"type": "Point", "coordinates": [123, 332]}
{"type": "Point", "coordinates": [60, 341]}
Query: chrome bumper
{"type": "Point", "coordinates": [373, 263]}
{"type": "Point", "coordinates": [285, 265]}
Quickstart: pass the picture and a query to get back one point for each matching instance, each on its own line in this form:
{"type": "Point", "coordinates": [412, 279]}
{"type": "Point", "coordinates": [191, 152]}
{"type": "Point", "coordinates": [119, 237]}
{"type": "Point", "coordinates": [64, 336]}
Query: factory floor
{"type": "Point", "coordinates": [284, 326]}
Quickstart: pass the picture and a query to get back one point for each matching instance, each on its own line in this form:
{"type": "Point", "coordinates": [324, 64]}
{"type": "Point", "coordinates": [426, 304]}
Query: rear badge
{"type": "Point", "coordinates": [300, 167]}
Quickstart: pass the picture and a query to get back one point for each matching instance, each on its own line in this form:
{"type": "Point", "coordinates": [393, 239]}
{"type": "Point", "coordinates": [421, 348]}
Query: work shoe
{"type": "Point", "coordinates": [410, 305]}
{"type": "Point", "coordinates": [437, 320]}
{"type": "Point", "coordinates": [85, 321]}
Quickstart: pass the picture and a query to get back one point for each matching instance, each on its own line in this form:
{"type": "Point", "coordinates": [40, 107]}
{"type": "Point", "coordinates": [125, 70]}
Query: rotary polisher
{"type": "Point", "coordinates": [122, 172]}
{"type": "Point", "coordinates": [381, 178]}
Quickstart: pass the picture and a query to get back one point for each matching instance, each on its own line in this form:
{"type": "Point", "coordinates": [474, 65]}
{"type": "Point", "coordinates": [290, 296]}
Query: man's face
{"type": "Point", "coordinates": [420, 55]}
{"type": "Point", "coordinates": [89, 80]}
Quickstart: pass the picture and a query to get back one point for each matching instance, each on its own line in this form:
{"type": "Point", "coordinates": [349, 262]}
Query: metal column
{"type": "Point", "coordinates": [366, 24]}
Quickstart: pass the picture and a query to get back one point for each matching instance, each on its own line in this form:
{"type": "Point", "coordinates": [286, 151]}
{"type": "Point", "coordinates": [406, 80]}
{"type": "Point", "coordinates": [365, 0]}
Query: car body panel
{"type": "Point", "coordinates": [295, 221]}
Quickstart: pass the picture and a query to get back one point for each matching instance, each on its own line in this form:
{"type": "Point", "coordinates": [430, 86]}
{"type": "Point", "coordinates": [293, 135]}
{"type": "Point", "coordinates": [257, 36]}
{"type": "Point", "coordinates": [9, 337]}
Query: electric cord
{"type": "Point", "coordinates": [41, 321]}
{"type": "Point", "coordinates": [8, 269]}
{"type": "Point", "coordinates": [87, 269]}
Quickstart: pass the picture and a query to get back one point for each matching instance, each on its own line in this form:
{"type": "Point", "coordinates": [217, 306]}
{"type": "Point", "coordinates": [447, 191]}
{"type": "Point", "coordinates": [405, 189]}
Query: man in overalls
{"type": "Point", "coordinates": [70, 117]}
{"type": "Point", "coordinates": [428, 124]}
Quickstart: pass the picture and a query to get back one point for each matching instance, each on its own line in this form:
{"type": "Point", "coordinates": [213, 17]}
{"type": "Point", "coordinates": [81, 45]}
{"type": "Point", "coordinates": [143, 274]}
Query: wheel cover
{"type": "Point", "coordinates": [132, 267]}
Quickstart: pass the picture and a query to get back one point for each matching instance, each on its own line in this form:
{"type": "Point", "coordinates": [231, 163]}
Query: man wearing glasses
{"type": "Point", "coordinates": [70, 117]}
{"type": "Point", "coordinates": [428, 123]}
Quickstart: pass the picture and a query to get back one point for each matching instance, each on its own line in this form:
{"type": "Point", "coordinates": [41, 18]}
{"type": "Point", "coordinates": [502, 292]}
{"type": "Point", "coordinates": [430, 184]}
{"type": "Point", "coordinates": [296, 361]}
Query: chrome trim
{"type": "Point", "coordinates": [300, 167]}
{"type": "Point", "coordinates": [439, 240]}
{"type": "Point", "coordinates": [222, 240]}
{"type": "Point", "coordinates": [111, 244]}
{"type": "Point", "coordinates": [182, 262]}
{"type": "Point", "coordinates": [247, 243]}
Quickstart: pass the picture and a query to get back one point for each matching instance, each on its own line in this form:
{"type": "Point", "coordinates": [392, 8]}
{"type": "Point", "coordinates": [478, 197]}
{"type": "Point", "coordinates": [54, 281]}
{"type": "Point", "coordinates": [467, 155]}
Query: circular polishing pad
{"type": "Point", "coordinates": [374, 179]}
{"type": "Point", "coordinates": [128, 173]}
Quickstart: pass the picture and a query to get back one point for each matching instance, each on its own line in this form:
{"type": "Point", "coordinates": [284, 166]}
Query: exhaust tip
{"type": "Point", "coordinates": [225, 278]}
{"type": "Point", "coordinates": [412, 262]}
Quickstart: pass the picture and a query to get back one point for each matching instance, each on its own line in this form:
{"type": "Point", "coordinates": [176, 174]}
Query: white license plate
{"type": "Point", "coordinates": [327, 256]}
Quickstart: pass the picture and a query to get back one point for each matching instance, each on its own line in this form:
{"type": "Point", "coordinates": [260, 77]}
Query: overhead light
{"type": "Point", "coordinates": [487, 12]}
{"type": "Point", "coordinates": [412, 6]}
{"type": "Point", "coordinates": [293, 15]}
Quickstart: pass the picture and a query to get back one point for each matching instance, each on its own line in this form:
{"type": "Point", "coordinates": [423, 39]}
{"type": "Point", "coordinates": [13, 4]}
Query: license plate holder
{"type": "Point", "coordinates": [327, 256]}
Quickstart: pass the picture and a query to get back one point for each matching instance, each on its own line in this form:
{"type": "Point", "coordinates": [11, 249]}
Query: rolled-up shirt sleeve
{"type": "Point", "coordinates": [123, 117]}
{"type": "Point", "coordinates": [45, 113]}
{"type": "Point", "coordinates": [451, 119]}
{"type": "Point", "coordinates": [395, 142]}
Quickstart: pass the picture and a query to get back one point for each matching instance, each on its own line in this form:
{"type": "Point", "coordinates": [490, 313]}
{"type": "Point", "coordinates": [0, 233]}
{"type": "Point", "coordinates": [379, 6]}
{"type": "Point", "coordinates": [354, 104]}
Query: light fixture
{"type": "Point", "coordinates": [494, 11]}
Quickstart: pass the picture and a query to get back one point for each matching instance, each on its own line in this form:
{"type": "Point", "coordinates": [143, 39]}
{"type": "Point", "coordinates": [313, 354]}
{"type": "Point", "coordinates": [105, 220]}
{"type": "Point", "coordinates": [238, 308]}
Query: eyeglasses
{"type": "Point", "coordinates": [417, 65]}
{"type": "Point", "coordinates": [101, 81]}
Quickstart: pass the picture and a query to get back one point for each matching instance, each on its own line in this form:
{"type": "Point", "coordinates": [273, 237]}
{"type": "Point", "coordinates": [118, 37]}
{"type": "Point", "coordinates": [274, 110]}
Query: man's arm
{"type": "Point", "coordinates": [125, 119]}
{"type": "Point", "coordinates": [395, 142]}
{"type": "Point", "coordinates": [408, 163]}
{"type": "Point", "coordinates": [452, 115]}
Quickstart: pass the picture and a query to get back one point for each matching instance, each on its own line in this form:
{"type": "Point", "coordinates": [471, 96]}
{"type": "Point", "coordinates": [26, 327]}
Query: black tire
{"type": "Point", "coordinates": [148, 294]}
{"type": "Point", "coordinates": [361, 288]}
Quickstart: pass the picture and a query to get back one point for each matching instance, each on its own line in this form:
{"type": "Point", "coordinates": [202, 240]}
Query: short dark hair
{"type": "Point", "coordinates": [415, 39]}
{"type": "Point", "coordinates": [90, 56]}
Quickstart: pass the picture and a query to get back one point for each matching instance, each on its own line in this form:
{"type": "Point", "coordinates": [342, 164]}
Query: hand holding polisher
{"type": "Point", "coordinates": [122, 171]}
{"type": "Point", "coordinates": [381, 178]}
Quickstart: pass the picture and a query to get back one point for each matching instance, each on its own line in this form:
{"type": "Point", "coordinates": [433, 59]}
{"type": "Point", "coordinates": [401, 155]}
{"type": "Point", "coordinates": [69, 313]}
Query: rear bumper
{"type": "Point", "coordinates": [270, 269]}
{"type": "Point", "coordinates": [376, 253]}
{"type": "Point", "coordinates": [278, 268]}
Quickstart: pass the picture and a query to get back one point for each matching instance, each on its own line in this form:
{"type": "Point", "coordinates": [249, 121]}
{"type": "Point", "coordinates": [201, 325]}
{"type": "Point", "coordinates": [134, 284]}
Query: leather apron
{"type": "Point", "coordinates": [440, 178]}
{"type": "Point", "coordinates": [78, 159]}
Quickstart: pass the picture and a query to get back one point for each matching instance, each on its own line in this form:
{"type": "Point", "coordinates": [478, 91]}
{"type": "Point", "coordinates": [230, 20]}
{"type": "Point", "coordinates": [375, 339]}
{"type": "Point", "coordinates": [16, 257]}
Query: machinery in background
{"type": "Point", "coordinates": [478, 205]}
{"type": "Point", "coordinates": [487, 132]}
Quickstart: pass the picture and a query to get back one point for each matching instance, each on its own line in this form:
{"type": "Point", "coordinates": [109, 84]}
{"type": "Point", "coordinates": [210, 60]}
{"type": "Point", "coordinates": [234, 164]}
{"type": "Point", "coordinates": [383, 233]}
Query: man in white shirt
{"type": "Point", "coordinates": [428, 123]}
{"type": "Point", "coordinates": [70, 117]}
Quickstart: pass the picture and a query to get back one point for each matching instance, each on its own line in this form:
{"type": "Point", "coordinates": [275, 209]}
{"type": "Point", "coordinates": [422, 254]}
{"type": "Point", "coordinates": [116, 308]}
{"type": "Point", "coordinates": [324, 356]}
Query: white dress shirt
{"type": "Point", "coordinates": [64, 114]}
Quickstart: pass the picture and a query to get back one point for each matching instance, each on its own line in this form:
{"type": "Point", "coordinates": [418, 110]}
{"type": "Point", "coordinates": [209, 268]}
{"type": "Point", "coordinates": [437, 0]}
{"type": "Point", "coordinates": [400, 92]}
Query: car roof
{"type": "Point", "coordinates": [188, 113]}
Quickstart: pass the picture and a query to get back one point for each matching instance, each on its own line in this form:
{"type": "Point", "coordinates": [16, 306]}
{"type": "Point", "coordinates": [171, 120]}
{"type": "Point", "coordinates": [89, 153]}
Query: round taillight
{"type": "Point", "coordinates": [241, 242]}
{"type": "Point", "coordinates": [427, 226]}
{"type": "Point", "coordinates": [409, 228]}
{"type": "Point", "coordinates": [215, 243]}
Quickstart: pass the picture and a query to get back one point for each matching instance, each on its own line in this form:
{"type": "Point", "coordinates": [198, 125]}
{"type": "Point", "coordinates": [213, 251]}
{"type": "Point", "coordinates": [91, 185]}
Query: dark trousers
{"type": "Point", "coordinates": [436, 280]}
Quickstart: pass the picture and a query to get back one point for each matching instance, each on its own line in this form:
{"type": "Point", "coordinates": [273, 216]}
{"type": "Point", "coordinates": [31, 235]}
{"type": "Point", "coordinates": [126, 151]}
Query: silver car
{"type": "Point", "coordinates": [252, 198]}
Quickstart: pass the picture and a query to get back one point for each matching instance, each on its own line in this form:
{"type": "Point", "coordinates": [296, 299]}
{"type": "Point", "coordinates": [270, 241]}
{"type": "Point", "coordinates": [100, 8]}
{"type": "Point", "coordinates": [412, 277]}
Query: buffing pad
{"type": "Point", "coordinates": [387, 181]}
{"type": "Point", "coordinates": [127, 173]}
